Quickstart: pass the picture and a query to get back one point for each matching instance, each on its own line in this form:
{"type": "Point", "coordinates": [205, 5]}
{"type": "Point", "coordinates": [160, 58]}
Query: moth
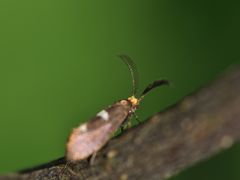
{"type": "Point", "coordinates": [88, 138]}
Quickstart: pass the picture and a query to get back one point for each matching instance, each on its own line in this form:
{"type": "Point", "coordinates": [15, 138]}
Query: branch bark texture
{"type": "Point", "coordinates": [199, 126]}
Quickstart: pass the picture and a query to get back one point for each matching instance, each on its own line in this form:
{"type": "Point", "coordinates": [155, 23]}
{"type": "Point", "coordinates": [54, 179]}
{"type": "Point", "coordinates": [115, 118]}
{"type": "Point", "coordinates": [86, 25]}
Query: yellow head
{"type": "Point", "coordinates": [133, 100]}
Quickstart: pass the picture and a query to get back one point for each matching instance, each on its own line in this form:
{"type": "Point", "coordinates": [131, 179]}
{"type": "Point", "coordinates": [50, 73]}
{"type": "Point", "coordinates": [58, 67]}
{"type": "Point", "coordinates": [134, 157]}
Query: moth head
{"type": "Point", "coordinates": [126, 102]}
{"type": "Point", "coordinates": [133, 101]}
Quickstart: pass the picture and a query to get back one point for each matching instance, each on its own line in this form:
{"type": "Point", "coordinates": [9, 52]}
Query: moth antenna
{"type": "Point", "coordinates": [153, 85]}
{"type": "Point", "coordinates": [133, 70]}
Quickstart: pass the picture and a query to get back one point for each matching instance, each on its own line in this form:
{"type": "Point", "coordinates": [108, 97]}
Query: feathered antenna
{"type": "Point", "coordinates": [152, 86]}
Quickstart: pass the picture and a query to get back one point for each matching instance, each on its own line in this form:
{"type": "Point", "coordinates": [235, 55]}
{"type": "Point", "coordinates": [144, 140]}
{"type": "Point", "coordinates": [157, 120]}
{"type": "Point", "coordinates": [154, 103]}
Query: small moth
{"type": "Point", "coordinates": [90, 137]}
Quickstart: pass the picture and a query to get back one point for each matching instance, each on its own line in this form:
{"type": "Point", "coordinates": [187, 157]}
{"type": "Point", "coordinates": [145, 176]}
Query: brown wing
{"type": "Point", "coordinates": [82, 145]}
{"type": "Point", "coordinates": [92, 136]}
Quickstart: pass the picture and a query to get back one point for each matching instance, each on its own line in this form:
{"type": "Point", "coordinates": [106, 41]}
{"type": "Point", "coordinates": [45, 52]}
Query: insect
{"type": "Point", "coordinates": [90, 137]}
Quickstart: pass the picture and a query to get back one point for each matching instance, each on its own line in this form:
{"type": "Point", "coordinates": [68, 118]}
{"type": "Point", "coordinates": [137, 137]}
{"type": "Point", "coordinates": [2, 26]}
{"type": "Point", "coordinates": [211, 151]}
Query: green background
{"type": "Point", "coordinates": [59, 67]}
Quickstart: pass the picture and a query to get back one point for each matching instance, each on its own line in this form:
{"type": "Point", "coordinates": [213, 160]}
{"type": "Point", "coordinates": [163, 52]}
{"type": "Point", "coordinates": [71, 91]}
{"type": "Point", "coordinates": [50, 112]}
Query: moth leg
{"type": "Point", "coordinates": [136, 117]}
{"type": "Point", "coordinates": [126, 124]}
{"type": "Point", "coordinates": [64, 168]}
{"type": "Point", "coordinates": [92, 158]}
{"type": "Point", "coordinates": [71, 171]}
{"type": "Point", "coordinates": [121, 129]}
{"type": "Point", "coordinates": [67, 167]}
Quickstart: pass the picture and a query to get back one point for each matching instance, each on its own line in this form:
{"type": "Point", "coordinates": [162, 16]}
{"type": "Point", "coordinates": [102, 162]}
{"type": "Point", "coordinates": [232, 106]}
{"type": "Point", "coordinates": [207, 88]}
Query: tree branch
{"type": "Point", "coordinates": [199, 126]}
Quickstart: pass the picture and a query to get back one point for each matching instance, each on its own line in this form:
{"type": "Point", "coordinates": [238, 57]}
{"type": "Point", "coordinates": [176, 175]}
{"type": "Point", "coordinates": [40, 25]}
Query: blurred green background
{"type": "Point", "coordinates": [58, 67]}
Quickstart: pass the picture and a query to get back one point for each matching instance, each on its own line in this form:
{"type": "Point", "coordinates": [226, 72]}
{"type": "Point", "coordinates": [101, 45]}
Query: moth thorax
{"type": "Point", "coordinates": [133, 100]}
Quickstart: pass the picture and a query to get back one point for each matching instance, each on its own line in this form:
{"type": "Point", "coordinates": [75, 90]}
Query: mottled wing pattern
{"type": "Point", "coordinates": [92, 136]}
{"type": "Point", "coordinates": [83, 145]}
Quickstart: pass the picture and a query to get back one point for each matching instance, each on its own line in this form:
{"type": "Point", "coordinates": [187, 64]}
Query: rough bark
{"type": "Point", "coordinates": [199, 126]}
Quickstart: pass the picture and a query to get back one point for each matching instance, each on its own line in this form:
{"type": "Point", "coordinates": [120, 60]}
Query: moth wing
{"type": "Point", "coordinates": [83, 144]}
{"type": "Point", "coordinates": [92, 136]}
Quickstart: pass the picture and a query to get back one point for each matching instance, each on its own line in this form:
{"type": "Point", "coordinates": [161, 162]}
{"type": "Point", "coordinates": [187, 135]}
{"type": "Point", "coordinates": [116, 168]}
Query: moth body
{"type": "Point", "coordinates": [90, 137]}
